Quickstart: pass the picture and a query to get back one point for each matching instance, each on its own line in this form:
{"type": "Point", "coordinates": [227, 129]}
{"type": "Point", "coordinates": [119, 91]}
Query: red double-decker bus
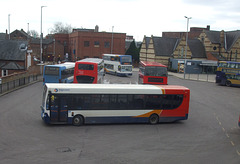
{"type": "Point", "coordinates": [89, 70]}
{"type": "Point", "coordinates": [152, 73]}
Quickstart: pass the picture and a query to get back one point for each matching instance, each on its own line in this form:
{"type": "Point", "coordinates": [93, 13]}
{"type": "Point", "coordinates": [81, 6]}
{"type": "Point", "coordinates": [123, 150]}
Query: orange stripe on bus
{"type": "Point", "coordinates": [163, 90]}
{"type": "Point", "coordinates": [150, 113]}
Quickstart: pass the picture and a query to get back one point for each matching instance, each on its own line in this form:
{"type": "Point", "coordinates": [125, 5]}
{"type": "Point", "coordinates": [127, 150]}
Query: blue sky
{"type": "Point", "coordinates": [134, 17]}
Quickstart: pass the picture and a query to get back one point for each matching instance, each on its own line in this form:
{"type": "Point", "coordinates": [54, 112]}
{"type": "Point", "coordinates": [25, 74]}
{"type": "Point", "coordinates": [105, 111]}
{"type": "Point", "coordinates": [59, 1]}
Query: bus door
{"type": "Point", "coordinates": [58, 110]}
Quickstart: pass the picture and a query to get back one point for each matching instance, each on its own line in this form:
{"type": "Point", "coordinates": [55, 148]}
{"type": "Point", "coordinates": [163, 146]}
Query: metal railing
{"type": "Point", "coordinates": [11, 85]}
{"type": "Point", "coordinates": [201, 77]}
{"type": "Point", "coordinates": [198, 77]}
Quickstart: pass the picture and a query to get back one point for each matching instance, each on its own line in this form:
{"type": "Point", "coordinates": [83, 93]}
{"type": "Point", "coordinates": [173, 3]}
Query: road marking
{"type": "Point", "coordinates": [232, 143]}
{"type": "Point", "coordinates": [227, 135]}
{"type": "Point", "coordinates": [238, 152]}
{"type": "Point", "coordinates": [223, 129]}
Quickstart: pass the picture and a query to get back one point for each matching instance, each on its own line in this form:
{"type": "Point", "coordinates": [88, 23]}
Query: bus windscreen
{"type": "Point", "coordinates": [52, 71]}
{"type": "Point", "coordinates": [126, 59]}
{"type": "Point", "coordinates": [156, 71]}
{"type": "Point", "coordinates": [85, 67]}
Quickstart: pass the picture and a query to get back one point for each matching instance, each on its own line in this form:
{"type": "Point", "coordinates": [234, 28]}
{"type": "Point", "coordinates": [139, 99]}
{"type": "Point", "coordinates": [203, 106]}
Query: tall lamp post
{"type": "Point", "coordinates": [112, 40]}
{"type": "Point", "coordinates": [9, 26]}
{"type": "Point", "coordinates": [186, 45]}
{"type": "Point", "coordinates": [41, 37]}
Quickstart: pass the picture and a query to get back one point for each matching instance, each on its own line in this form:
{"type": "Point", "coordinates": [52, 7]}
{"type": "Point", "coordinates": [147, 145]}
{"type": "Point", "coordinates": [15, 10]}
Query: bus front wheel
{"type": "Point", "coordinates": [228, 83]}
{"type": "Point", "coordinates": [153, 119]}
{"type": "Point", "coordinates": [77, 120]}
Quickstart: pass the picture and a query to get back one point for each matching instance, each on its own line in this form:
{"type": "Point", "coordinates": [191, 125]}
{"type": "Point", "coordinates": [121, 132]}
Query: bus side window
{"type": "Point", "coordinates": [138, 101]}
{"type": "Point", "coordinates": [113, 102]}
{"type": "Point", "coordinates": [123, 101]}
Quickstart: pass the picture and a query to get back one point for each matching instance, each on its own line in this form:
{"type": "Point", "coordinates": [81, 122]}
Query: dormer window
{"type": "Point", "coordinates": [23, 47]}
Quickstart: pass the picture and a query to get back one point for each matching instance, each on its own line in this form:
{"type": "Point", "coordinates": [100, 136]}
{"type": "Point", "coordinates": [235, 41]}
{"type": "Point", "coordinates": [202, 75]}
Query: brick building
{"type": "Point", "coordinates": [79, 44]}
{"type": "Point", "coordinates": [61, 41]}
{"type": "Point", "coordinates": [89, 43]}
{"type": "Point", "coordinates": [53, 50]}
{"type": "Point", "coordinates": [192, 34]}
{"type": "Point", "coordinates": [13, 57]}
{"type": "Point", "coordinates": [204, 45]}
{"type": "Point", "coordinates": [221, 45]}
{"type": "Point", "coordinates": [19, 35]}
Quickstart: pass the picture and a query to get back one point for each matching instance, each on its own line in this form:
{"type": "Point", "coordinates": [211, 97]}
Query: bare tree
{"type": "Point", "coordinates": [59, 27]}
{"type": "Point", "coordinates": [33, 33]}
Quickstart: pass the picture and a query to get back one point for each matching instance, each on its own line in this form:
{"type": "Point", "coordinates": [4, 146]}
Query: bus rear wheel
{"type": "Point", "coordinates": [77, 120]}
{"type": "Point", "coordinates": [228, 83]}
{"type": "Point", "coordinates": [153, 119]}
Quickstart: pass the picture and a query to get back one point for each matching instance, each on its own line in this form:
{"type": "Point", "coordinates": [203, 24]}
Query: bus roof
{"type": "Point", "coordinates": [61, 88]}
{"type": "Point", "coordinates": [115, 55]}
{"type": "Point", "coordinates": [93, 60]}
{"type": "Point", "coordinates": [233, 62]}
{"type": "Point", "coordinates": [151, 63]}
{"type": "Point", "coordinates": [67, 65]}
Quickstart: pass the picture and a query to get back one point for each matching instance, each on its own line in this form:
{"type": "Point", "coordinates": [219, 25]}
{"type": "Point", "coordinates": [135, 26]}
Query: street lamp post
{"type": "Point", "coordinates": [9, 26]}
{"type": "Point", "coordinates": [41, 37]}
{"type": "Point", "coordinates": [112, 40]}
{"type": "Point", "coordinates": [186, 45]}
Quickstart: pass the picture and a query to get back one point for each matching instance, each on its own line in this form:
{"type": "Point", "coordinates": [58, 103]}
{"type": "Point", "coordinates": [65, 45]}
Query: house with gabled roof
{"type": "Point", "coordinates": [221, 45]}
{"type": "Point", "coordinates": [195, 58]}
{"type": "Point", "coordinates": [158, 49]}
{"type": "Point", "coordinates": [195, 50]}
{"type": "Point", "coordinates": [172, 52]}
{"type": "Point", "coordinates": [12, 56]}
{"type": "Point", "coordinates": [206, 50]}
{"type": "Point", "coordinates": [53, 49]}
{"type": "Point", "coordinates": [3, 36]}
{"type": "Point", "coordinates": [19, 35]}
{"type": "Point", "coordinates": [144, 48]}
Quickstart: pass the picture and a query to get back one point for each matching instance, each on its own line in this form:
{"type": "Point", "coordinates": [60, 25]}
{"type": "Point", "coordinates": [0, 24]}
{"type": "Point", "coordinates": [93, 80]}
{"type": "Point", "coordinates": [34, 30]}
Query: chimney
{"type": "Point", "coordinates": [6, 36]}
{"type": "Point", "coordinates": [222, 37]}
{"type": "Point", "coordinates": [96, 28]}
{"type": "Point", "coordinates": [208, 27]}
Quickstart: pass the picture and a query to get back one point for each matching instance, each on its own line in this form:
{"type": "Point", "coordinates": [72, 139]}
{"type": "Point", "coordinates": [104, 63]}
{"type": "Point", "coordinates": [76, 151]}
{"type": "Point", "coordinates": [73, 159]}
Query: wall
{"type": "Point", "coordinates": [77, 39]}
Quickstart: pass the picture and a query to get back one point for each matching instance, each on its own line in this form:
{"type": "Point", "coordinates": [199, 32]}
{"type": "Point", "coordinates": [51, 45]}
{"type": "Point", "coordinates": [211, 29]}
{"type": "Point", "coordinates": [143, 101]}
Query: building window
{"type": "Point", "coordinates": [4, 73]}
{"type": "Point", "coordinates": [236, 55]}
{"type": "Point", "coordinates": [106, 44]}
{"type": "Point", "coordinates": [96, 44]}
{"type": "Point", "coordinates": [86, 44]}
{"type": "Point", "coordinates": [182, 51]}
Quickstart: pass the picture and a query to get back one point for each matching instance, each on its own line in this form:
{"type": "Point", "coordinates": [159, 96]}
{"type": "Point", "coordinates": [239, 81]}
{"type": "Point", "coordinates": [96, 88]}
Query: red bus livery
{"type": "Point", "coordinates": [152, 73]}
{"type": "Point", "coordinates": [89, 70]}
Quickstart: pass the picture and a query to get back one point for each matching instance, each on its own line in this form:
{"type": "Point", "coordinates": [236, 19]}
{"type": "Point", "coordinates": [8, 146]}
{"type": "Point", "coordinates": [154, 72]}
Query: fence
{"type": "Point", "coordinates": [198, 77]}
{"type": "Point", "coordinates": [21, 81]}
